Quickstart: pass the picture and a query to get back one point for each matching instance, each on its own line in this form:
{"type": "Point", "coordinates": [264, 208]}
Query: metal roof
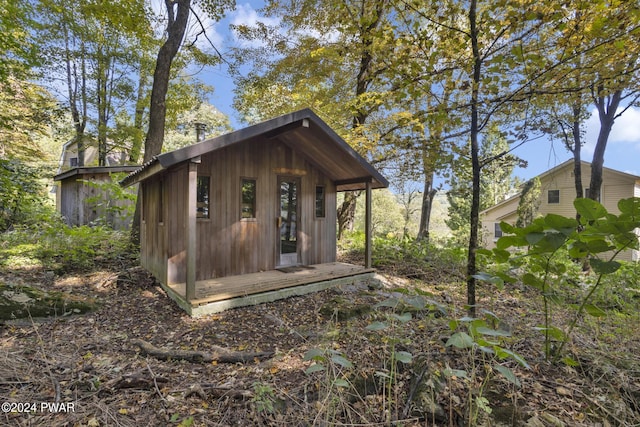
{"type": "Point", "coordinates": [302, 131]}
{"type": "Point", "coordinates": [95, 170]}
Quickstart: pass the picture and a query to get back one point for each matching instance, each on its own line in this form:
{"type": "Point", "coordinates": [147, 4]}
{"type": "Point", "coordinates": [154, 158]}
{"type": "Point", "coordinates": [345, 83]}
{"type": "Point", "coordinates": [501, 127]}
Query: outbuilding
{"type": "Point", "coordinates": [250, 216]}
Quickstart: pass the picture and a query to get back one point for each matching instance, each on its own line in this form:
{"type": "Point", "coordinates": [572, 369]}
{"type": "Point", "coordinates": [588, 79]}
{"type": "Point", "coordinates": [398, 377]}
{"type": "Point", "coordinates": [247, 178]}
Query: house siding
{"type": "Point", "coordinates": [615, 186]}
{"type": "Point", "coordinates": [226, 244]}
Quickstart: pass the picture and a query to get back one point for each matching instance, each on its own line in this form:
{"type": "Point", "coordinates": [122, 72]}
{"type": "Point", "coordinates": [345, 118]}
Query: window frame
{"type": "Point", "coordinates": [556, 198]}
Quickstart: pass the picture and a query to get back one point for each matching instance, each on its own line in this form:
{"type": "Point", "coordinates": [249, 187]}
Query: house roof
{"type": "Point", "coordinates": [303, 131]}
{"type": "Point", "coordinates": [568, 163]}
{"type": "Point", "coordinates": [95, 170]}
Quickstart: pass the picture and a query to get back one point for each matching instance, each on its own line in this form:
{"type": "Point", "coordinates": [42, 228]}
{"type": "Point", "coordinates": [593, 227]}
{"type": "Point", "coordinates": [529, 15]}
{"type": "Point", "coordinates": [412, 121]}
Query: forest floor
{"type": "Point", "coordinates": [90, 365]}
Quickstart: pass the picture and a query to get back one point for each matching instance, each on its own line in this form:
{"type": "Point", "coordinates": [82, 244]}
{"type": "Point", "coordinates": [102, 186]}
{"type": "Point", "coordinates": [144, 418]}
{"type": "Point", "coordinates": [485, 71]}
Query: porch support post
{"type": "Point", "coordinates": [190, 286]}
{"type": "Point", "coordinates": [367, 226]}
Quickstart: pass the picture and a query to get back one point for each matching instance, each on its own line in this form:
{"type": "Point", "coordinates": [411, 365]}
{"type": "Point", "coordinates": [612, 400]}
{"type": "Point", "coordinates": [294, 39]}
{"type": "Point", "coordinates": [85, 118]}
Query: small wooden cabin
{"type": "Point", "coordinates": [249, 213]}
{"type": "Point", "coordinates": [82, 198]}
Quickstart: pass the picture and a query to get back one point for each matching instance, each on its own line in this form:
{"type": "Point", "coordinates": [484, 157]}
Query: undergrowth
{"type": "Point", "coordinates": [62, 249]}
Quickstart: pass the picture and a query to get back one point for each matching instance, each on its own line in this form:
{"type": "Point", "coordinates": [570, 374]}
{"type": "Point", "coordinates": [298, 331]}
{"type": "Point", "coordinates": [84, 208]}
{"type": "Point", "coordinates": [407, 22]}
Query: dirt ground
{"type": "Point", "coordinates": [88, 365]}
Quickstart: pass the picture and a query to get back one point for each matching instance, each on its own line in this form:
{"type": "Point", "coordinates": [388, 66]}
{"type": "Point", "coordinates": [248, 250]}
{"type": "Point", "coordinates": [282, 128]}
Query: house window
{"type": "Point", "coordinates": [73, 162]}
{"type": "Point", "coordinates": [320, 201]}
{"type": "Point", "coordinates": [248, 206]}
{"type": "Point", "coordinates": [497, 231]}
{"type": "Point", "coordinates": [202, 191]}
{"type": "Point", "coordinates": [553, 197]}
{"type": "Point", "coordinates": [586, 194]}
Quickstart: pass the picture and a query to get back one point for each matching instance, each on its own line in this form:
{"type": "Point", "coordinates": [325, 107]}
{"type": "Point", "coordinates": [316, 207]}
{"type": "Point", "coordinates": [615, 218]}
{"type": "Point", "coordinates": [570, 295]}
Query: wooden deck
{"type": "Point", "coordinates": [220, 294]}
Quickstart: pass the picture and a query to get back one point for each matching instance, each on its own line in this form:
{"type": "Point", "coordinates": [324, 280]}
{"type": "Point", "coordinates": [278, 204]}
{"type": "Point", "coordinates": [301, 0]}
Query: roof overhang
{"type": "Point", "coordinates": [303, 131]}
{"type": "Point", "coordinates": [95, 170]}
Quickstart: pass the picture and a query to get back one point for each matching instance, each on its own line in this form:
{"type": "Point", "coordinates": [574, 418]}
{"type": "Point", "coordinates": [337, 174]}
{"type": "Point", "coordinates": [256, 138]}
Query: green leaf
{"type": "Point", "coordinates": [418, 302]}
{"type": "Point", "coordinates": [389, 302]}
{"type": "Point", "coordinates": [501, 255]}
{"type": "Point", "coordinates": [492, 332]}
{"type": "Point", "coordinates": [589, 209]}
{"type": "Point", "coordinates": [460, 340]}
{"type": "Point", "coordinates": [403, 318]}
{"type": "Point", "coordinates": [448, 372]}
{"type": "Point", "coordinates": [569, 361]}
{"type": "Point", "coordinates": [339, 382]}
{"type": "Point", "coordinates": [316, 367]}
{"type": "Point", "coordinates": [561, 224]}
{"type": "Point", "coordinates": [533, 281]}
{"type": "Point", "coordinates": [508, 374]}
{"type": "Point", "coordinates": [506, 242]}
{"type": "Point", "coordinates": [342, 361]}
{"type": "Point", "coordinates": [533, 238]}
{"type": "Point", "coordinates": [504, 353]}
{"type": "Point", "coordinates": [376, 326]}
{"type": "Point", "coordinates": [604, 267]}
{"type": "Point", "coordinates": [630, 207]}
{"type": "Point", "coordinates": [594, 311]}
{"type": "Point", "coordinates": [314, 354]}
{"type": "Point", "coordinates": [404, 357]}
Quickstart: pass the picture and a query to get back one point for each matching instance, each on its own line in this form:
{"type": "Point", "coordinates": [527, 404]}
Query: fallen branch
{"type": "Point", "coordinates": [219, 354]}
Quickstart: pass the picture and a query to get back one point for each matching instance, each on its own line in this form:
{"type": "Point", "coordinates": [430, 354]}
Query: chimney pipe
{"type": "Point", "coordinates": [201, 128]}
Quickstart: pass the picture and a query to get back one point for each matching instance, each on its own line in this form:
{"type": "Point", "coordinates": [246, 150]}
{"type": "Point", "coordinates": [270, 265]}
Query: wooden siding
{"type": "Point", "coordinates": [227, 245]}
{"type": "Point", "coordinates": [82, 202]}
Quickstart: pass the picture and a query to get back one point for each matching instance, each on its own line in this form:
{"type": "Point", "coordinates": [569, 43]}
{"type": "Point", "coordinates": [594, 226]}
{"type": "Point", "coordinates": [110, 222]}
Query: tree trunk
{"type": "Point", "coordinates": [607, 108]}
{"type": "Point", "coordinates": [428, 194]}
{"type": "Point", "coordinates": [347, 212]}
{"type": "Point", "coordinates": [475, 163]}
{"type": "Point", "coordinates": [138, 136]}
{"type": "Point", "coordinates": [577, 152]}
{"type": "Point", "coordinates": [158, 109]}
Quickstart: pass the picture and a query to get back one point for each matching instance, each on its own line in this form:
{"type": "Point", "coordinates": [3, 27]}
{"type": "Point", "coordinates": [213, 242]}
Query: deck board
{"type": "Point", "coordinates": [224, 288]}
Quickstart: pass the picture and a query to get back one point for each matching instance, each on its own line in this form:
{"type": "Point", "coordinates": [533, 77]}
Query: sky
{"type": "Point", "coordinates": [623, 148]}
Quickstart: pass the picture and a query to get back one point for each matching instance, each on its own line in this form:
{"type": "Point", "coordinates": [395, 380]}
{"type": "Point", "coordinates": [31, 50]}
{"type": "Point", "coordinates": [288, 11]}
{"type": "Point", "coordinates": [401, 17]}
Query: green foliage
{"type": "Point", "coordinates": [529, 202]}
{"type": "Point", "coordinates": [263, 397]}
{"type": "Point", "coordinates": [482, 337]}
{"type": "Point", "coordinates": [22, 194]}
{"type": "Point", "coordinates": [58, 247]}
{"type": "Point", "coordinates": [553, 240]}
{"type": "Point", "coordinates": [114, 204]}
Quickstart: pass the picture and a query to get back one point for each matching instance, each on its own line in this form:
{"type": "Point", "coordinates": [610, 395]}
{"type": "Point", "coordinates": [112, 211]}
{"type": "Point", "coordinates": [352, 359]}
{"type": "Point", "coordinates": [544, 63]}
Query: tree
{"type": "Point", "coordinates": [529, 202]}
{"type": "Point", "coordinates": [92, 49]}
{"type": "Point", "coordinates": [184, 133]}
{"type": "Point", "coordinates": [595, 47]}
{"type": "Point", "coordinates": [177, 18]}
{"type": "Point", "coordinates": [18, 47]}
{"type": "Point", "coordinates": [330, 56]}
{"type": "Point", "coordinates": [26, 110]}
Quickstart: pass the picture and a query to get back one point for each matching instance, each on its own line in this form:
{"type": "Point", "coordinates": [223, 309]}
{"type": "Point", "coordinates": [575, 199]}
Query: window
{"type": "Point", "coordinates": [586, 194]}
{"type": "Point", "coordinates": [248, 206]}
{"type": "Point", "coordinates": [202, 202]}
{"type": "Point", "coordinates": [497, 231]}
{"type": "Point", "coordinates": [73, 162]}
{"type": "Point", "coordinates": [320, 197]}
{"type": "Point", "coordinates": [553, 196]}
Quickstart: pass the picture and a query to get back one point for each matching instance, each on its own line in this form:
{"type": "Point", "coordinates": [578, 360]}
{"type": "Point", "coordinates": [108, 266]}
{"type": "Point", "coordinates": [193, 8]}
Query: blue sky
{"type": "Point", "coordinates": [623, 149]}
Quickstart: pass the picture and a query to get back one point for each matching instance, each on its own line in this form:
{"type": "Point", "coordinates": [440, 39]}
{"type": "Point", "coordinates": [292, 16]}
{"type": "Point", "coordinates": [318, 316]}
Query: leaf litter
{"type": "Point", "coordinates": [91, 360]}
